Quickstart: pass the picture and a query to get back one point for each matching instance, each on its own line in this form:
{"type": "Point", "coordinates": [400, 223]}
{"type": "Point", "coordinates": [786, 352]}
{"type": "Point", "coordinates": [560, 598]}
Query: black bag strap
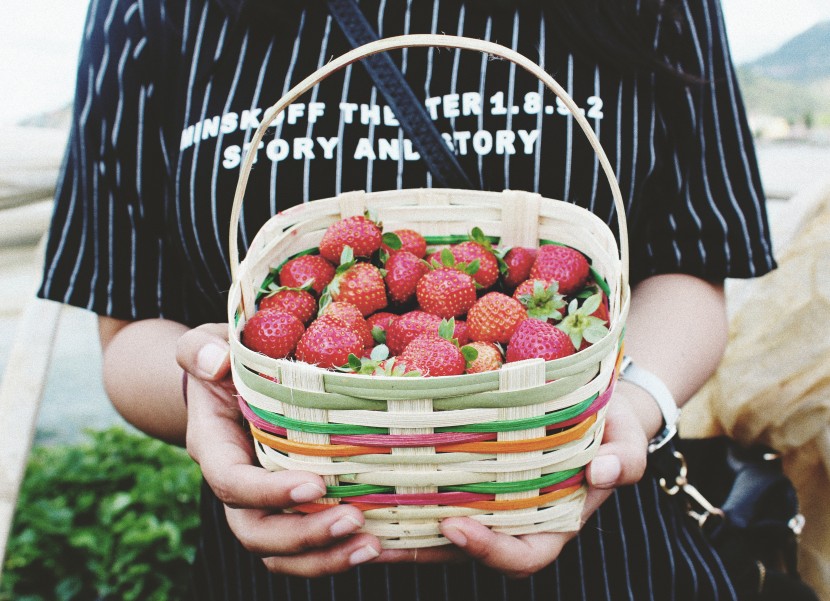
{"type": "Point", "coordinates": [410, 113]}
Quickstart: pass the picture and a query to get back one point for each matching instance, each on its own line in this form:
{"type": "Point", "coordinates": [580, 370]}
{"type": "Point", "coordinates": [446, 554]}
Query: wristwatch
{"type": "Point", "coordinates": [633, 373]}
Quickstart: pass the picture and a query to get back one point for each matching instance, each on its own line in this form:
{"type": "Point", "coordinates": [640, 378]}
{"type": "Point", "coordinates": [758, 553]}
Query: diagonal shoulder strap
{"type": "Point", "coordinates": [411, 114]}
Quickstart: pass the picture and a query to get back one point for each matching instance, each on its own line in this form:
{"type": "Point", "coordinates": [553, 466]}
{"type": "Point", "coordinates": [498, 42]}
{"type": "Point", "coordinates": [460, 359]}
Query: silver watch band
{"type": "Point", "coordinates": [631, 372]}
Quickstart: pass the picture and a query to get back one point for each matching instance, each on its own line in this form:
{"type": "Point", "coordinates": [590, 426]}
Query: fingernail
{"type": "Point", "coordinates": [306, 492]}
{"type": "Point", "coordinates": [210, 358]}
{"type": "Point", "coordinates": [605, 470]}
{"type": "Point", "coordinates": [343, 526]}
{"type": "Point", "coordinates": [363, 555]}
{"type": "Point", "coordinates": [455, 535]}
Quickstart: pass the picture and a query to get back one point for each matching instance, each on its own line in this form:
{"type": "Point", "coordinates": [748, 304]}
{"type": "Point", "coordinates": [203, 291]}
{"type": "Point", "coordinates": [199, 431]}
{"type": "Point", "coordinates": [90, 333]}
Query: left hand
{"type": "Point", "coordinates": [620, 460]}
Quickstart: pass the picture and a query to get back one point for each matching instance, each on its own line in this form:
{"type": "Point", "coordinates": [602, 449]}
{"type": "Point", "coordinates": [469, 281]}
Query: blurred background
{"type": "Point", "coordinates": [779, 48]}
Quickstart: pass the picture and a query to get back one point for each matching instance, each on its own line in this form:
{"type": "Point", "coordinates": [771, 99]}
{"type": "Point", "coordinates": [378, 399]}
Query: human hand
{"type": "Point", "coordinates": [303, 545]}
{"type": "Point", "coordinates": [620, 460]}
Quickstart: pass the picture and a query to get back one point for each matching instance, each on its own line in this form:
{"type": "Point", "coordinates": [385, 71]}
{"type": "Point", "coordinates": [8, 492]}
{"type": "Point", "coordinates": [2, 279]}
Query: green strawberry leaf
{"type": "Point", "coordinates": [472, 267]}
{"type": "Point", "coordinates": [346, 257]}
{"type": "Point", "coordinates": [574, 333]}
{"type": "Point", "coordinates": [447, 328]}
{"type": "Point", "coordinates": [383, 256]}
{"type": "Point", "coordinates": [392, 240]}
{"type": "Point", "coordinates": [379, 353]}
{"type": "Point", "coordinates": [447, 258]}
{"type": "Point", "coordinates": [354, 361]}
{"type": "Point", "coordinates": [325, 298]}
{"type": "Point", "coordinates": [591, 304]}
{"type": "Point", "coordinates": [595, 333]}
{"type": "Point", "coordinates": [573, 307]}
{"type": "Point", "coordinates": [379, 334]}
{"type": "Point", "coordinates": [470, 354]}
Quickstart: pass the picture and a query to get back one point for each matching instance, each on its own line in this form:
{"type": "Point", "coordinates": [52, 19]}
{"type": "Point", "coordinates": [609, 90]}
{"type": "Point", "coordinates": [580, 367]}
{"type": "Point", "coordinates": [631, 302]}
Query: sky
{"type": "Point", "coordinates": [39, 42]}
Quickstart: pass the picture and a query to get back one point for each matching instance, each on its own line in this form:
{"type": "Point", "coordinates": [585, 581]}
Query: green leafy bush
{"type": "Point", "coordinates": [112, 518]}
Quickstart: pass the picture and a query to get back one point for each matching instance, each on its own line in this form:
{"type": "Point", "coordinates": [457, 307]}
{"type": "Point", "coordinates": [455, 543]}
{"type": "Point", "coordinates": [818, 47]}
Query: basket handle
{"type": "Point", "coordinates": [414, 41]}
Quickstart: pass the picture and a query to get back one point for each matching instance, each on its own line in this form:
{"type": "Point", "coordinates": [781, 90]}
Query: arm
{"type": "Point", "coordinates": [676, 329]}
{"type": "Point", "coordinates": [143, 378]}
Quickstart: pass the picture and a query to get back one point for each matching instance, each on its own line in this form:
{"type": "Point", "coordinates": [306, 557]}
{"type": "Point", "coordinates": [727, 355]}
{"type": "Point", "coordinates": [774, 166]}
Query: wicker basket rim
{"type": "Point", "coordinates": [425, 40]}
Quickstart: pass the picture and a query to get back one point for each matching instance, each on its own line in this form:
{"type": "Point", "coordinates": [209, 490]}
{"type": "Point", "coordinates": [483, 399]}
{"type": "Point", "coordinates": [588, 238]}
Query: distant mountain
{"type": "Point", "coordinates": [794, 81]}
{"type": "Point", "coordinates": [804, 59]}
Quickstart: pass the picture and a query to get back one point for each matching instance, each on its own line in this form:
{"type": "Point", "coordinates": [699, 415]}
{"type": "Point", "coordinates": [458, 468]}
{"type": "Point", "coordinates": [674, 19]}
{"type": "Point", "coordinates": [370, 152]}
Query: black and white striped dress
{"type": "Point", "coordinates": [168, 96]}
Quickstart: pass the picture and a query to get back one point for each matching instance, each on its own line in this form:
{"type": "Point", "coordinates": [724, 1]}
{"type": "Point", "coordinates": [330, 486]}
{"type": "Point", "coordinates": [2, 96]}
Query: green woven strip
{"type": "Point", "coordinates": [494, 426]}
{"type": "Point", "coordinates": [498, 399]}
{"type": "Point", "coordinates": [454, 239]}
{"type": "Point", "coordinates": [524, 423]}
{"type": "Point", "coordinates": [367, 387]}
{"type": "Point", "coordinates": [354, 490]}
{"type": "Point", "coordinates": [315, 427]}
{"type": "Point", "coordinates": [494, 488]}
{"type": "Point", "coordinates": [486, 488]}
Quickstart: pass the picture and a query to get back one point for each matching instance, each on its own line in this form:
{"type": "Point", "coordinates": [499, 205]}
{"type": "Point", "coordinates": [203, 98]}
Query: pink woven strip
{"type": "Point", "coordinates": [440, 498]}
{"type": "Point", "coordinates": [600, 402]}
{"type": "Point", "coordinates": [258, 421]}
{"type": "Point", "coordinates": [572, 481]}
{"type": "Point", "coordinates": [412, 440]}
{"type": "Point", "coordinates": [448, 498]}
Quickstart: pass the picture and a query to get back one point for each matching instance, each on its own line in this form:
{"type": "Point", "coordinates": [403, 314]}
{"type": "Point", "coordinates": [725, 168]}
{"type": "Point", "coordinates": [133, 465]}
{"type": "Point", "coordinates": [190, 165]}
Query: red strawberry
{"type": "Point", "coordinates": [541, 298]}
{"type": "Point", "coordinates": [494, 317]}
{"type": "Point", "coordinates": [403, 270]}
{"type": "Point", "coordinates": [328, 342]}
{"type": "Point", "coordinates": [409, 326]}
{"type": "Point", "coordinates": [297, 272]}
{"type": "Point", "coordinates": [378, 323]}
{"type": "Point", "coordinates": [519, 260]}
{"type": "Point", "coordinates": [462, 332]}
{"type": "Point", "coordinates": [433, 355]}
{"type": "Point", "coordinates": [411, 241]}
{"type": "Point", "coordinates": [488, 265]}
{"type": "Point", "coordinates": [360, 233]}
{"type": "Point", "coordinates": [446, 292]}
{"type": "Point", "coordinates": [534, 338]}
{"type": "Point", "coordinates": [360, 284]}
{"type": "Point", "coordinates": [489, 358]}
{"type": "Point", "coordinates": [272, 332]}
{"type": "Point", "coordinates": [299, 302]}
{"type": "Point", "coordinates": [567, 266]}
{"type": "Point", "coordinates": [352, 317]}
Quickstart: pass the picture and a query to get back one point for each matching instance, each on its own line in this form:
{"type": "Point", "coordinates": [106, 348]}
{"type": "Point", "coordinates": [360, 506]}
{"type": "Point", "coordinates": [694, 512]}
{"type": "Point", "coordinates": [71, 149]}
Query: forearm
{"type": "Point", "coordinates": [676, 329]}
{"type": "Point", "coordinates": [141, 375]}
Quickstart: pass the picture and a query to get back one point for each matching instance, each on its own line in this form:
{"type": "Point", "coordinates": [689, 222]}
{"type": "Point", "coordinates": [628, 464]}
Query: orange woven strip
{"type": "Point", "coordinates": [315, 450]}
{"type": "Point", "coordinates": [521, 503]}
{"type": "Point", "coordinates": [521, 446]}
{"type": "Point", "coordinates": [504, 505]}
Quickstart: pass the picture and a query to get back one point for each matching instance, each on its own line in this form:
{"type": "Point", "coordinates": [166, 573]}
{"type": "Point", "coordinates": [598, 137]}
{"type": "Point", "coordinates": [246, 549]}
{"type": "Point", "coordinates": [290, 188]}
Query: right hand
{"type": "Point", "coordinates": [311, 545]}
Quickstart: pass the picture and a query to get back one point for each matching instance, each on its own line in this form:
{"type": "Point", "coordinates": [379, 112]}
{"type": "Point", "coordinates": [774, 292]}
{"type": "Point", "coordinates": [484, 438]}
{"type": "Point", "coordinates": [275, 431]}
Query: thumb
{"type": "Point", "coordinates": [621, 459]}
{"type": "Point", "coordinates": [204, 353]}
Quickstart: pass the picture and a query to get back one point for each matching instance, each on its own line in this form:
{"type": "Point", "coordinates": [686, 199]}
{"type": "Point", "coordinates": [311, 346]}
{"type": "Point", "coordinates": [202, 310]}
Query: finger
{"type": "Point", "coordinates": [516, 557]}
{"type": "Point", "coordinates": [445, 554]}
{"type": "Point", "coordinates": [341, 557]}
{"type": "Point", "coordinates": [204, 351]}
{"type": "Point", "coordinates": [269, 534]}
{"type": "Point", "coordinates": [218, 443]}
{"type": "Point", "coordinates": [621, 459]}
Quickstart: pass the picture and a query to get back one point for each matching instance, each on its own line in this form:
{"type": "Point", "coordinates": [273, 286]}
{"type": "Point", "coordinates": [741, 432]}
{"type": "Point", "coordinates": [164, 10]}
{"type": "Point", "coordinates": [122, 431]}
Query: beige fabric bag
{"type": "Point", "coordinates": [773, 385]}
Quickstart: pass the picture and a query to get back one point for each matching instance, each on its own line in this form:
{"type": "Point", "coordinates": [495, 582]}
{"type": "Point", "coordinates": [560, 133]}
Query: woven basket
{"type": "Point", "coordinates": [507, 448]}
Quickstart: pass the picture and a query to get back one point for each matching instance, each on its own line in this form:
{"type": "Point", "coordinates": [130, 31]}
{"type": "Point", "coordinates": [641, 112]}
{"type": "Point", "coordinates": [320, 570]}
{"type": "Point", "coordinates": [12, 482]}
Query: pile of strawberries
{"type": "Point", "coordinates": [377, 303]}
